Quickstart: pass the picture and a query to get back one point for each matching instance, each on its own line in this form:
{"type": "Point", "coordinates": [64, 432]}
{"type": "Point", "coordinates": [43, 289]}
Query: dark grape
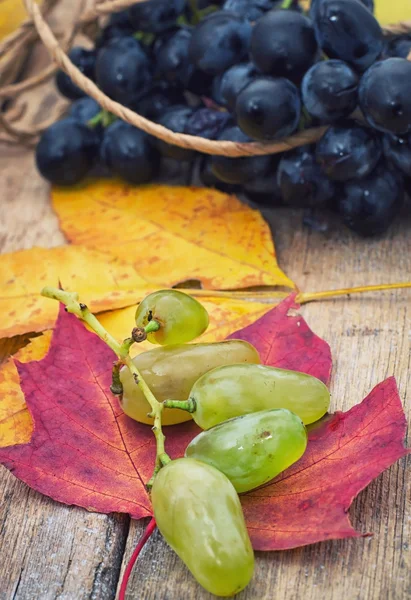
{"type": "Point", "coordinates": [201, 4]}
{"type": "Point", "coordinates": [123, 70]}
{"type": "Point", "coordinates": [268, 108]}
{"type": "Point", "coordinates": [348, 152]}
{"type": "Point", "coordinates": [347, 30]}
{"type": "Point", "coordinates": [238, 170]}
{"type": "Point", "coordinates": [369, 205]}
{"type": "Point", "coordinates": [171, 55]}
{"type": "Point", "coordinates": [121, 20]}
{"type": "Point", "coordinates": [283, 44]}
{"type": "Point", "coordinates": [264, 189]}
{"type": "Point", "coordinates": [155, 16]}
{"type": "Point", "coordinates": [173, 63]}
{"type": "Point", "coordinates": [208, 178]}
{"type": "Point", "coordinates": [368, 4]}
{"type": "Point", "coordinates": [329, 90]}
{"type": "Point", "coordinates": [160, 97]}
{"type": "Point", "coordinates": [385, 95]}
{"type": "Point", "coordinates": [397, 149]}
{"type": "Point", "coordinates": [66, 152]}
{"type": "Point", "coordinates": [176, 119]}
{"type": "Point", "coordinates": [199, 83]}
{"type": "Point", "coordinates": [314, 5]}
{"type": "Point", "coordinates": [219, 41]}
{"type": "Point", "coordinates": [128, 153]}
{"type": "Point", "coordinates": [84, 109]}
{"type": "Point", "coordinates": [119, 25]}
{"type": "Point", "coordinates": [229, 84]}
{"type": "Point", "coordinates": [250, 9]}
{"type": "Point", "coordinates": [207, 123]}
{"type": "Point", "coordinates": [399, 47]}
{"type": "Point", "coordinates": [301, 181]}
{"type": "Point", "coordinates": [85, 61]}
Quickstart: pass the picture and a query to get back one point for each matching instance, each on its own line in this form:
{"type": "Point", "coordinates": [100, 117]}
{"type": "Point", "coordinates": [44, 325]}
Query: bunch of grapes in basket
{"type": "Point", "coordinates": [248, 71]}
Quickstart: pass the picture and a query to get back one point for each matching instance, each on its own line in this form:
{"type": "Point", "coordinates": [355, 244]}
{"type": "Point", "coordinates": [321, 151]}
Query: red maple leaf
{"type": "Point", "coordinates": [309, 502]}
{"type": "Point", "coordinates": [85, 451]}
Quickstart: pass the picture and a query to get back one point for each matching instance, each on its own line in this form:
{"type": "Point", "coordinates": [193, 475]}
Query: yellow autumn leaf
{"type": "Point", "coordinates": [226, 316]}
{"type": "Point", "coordinates": [16, 424]}
{"type": "Point", "coordinates": [173, 234]}
{"type": "Point", "coordinates": [101, 280]}
{"type": "Point", "coordinates": [12, 14]}
{"type": "Point", "coordinates": [388, 12]}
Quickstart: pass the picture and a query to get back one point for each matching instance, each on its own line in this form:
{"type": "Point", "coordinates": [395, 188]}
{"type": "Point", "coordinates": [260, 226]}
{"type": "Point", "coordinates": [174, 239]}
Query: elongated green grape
{"type": "Point", "coordinates": [234, 390]}
{"type": "Point", "coordinates": [180, 316]}
{"type": "Point", "coordinates": [252, 449]}
{"type": "Point", "coordinates": [171, 371]}
{"type": "Point", "coordinates": [199, 514]}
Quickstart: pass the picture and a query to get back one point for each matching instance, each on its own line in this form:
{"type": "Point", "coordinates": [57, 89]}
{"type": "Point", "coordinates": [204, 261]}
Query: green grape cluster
{"type": "Point", "coordinates": [253, 419]}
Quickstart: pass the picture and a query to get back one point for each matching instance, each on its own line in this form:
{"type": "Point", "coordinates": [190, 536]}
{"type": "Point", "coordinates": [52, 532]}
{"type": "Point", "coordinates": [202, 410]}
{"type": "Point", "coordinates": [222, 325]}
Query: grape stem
{"type": "Point", "coordinates": [142, 542]}
{"type": "Point", "coordinates": [304, 297]}
{"type": "Point", "coordinates": [194, 12]}
{"type": "Point", "coordinates": [96, 120]}
{"type": "Point", "coordinates": [153, 325]}
{"type": "Point", "coordinates": [188, 405]}
{"type": "Point", "coordinates": [70, 300]}
{"type": "Point", "coordinates": [104, 117]}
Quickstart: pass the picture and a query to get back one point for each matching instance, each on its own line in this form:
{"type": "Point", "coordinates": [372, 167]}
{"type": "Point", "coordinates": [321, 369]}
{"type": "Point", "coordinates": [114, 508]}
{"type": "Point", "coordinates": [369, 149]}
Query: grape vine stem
{"type": "Point", "coordinates": [73, 306]}
{"type": "Point", "coordinates": [304, 297]}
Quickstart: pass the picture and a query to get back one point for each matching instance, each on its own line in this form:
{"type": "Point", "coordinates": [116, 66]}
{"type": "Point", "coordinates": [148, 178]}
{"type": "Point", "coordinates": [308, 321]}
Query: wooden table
{"type": "Point", "coordinates": [51, 551]}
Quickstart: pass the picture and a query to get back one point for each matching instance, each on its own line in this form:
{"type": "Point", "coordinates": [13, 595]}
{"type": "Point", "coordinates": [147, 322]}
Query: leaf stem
{"type": "Point", "coordinates": [304, 297]}
{"type": "Point", "coordinates": [70, 300]}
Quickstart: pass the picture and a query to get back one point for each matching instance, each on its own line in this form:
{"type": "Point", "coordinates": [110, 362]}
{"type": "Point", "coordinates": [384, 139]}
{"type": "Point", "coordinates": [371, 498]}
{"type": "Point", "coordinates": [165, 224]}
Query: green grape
{"type": "Point", "coordinates": [180, 316]}
{"type": "Point", "coordinates": [252, 449]}
{"type": "Point", "coordinates": [199, 514]}
{"type": "Point", "coordinates": [171, 371]}
{"type": "Point", "coordinates": [234, 390]}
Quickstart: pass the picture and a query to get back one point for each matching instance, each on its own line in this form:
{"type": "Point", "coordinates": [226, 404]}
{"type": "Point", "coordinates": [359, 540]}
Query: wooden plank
{"type": "Point", "coordinates": [52, 551]}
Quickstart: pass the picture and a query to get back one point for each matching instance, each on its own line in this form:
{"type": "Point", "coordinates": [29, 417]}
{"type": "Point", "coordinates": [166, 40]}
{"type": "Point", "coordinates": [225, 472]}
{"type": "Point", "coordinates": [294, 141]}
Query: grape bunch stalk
{"type": "Point", "coordinates": [253, 419]}
{"type": "Point", "coordinates": [242, 71]}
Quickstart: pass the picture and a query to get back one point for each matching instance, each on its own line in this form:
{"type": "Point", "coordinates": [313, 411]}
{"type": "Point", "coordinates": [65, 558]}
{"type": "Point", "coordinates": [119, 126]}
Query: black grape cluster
{"type": "Point", "coordinates": [249, 70]}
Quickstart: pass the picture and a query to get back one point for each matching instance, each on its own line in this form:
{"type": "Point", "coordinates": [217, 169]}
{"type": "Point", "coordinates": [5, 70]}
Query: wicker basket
{"type": "Point", "coordinates": [89, 19]}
